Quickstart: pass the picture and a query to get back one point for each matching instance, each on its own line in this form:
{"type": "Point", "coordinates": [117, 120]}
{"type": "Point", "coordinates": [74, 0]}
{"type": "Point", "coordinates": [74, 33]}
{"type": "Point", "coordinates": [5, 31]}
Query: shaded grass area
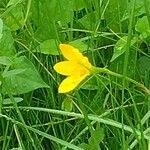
{"type": "Point", "coordinates": [104, 112]}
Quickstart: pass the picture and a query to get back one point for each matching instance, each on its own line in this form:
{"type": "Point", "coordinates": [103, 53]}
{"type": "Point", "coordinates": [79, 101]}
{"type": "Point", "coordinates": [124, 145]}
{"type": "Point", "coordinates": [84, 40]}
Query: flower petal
{"type": "Point", "coordinates": [70, 52]}
{"type": "Point", "coordinates": [70, 83]}
{"type": "Point", "coordinates": [73, 54]}
{"type": "Point", "coordinates": [67, 67]}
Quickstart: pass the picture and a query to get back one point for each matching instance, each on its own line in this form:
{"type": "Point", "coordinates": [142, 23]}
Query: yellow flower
{"type": "Point", "coordinates": [77, 67]}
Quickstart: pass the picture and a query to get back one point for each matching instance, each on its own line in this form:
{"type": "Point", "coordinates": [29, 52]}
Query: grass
{"type": "Point", "coordinates": [107, 111]}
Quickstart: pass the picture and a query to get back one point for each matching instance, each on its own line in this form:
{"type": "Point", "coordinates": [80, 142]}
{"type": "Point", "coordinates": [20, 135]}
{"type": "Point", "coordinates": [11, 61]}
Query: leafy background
{"type": "Point", "coordinates": [113, 34]}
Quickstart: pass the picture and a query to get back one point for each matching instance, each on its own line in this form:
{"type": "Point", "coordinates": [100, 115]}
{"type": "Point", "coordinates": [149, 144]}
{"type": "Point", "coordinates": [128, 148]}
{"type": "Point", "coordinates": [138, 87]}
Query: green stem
{"type": "Point", "coordinates": [107, 71]}
{"type": "Point", "coordinates": [85, 114]}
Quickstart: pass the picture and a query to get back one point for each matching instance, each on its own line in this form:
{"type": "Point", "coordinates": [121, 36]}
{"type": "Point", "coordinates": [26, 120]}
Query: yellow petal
{"type": "Point", "coordinates": [70, 83]}
{"type": "Point", "coordinates": [85, 62]}
{"type": "Point", "coordinates": [70, 52]}
{"type": "Point", "coordinates": [67, 67]}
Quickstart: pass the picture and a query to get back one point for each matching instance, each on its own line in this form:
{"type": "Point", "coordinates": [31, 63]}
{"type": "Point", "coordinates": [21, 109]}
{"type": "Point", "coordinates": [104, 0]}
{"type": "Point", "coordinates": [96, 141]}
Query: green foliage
{"type": "Point", "coordinates": [30, 106]}
{"type": "Point", "coordinates": [22, 78]}
{"type": "Point", "coordinates": [79, 44]}
{"type": "Point", "coordinates": [79, 5]}
{"type": "Point", "coordinates": [113, 14]}
{"type": "Point", "coordinates": [14, 19]}
{"type": "Point", "coordinates": [120, 47]}
{"type": "Point", "coordinates": [95, 139]}
{"type": "Point", "coordinates": [48, 47]}
{"type": "Point", "coordinates": [6, 43]}
{"type": "Point", "coordinates": [4, 60]}
{"type": "Point", "coordinates": [143, 27]}
{"type": "Point", "coordinates": [51, 46]}
{"type": "Point", "coordinates": [67, 104]}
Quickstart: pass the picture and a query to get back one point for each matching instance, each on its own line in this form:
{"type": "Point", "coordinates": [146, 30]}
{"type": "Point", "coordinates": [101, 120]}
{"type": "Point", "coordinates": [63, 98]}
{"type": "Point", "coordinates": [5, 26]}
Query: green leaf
{"type": "Point", "coordinates": [5, 60]}
{"type": "Point", "coordinates": [52, 16]}
{"type": "Point", "coordinates": [143, 27]}
{"type": "Point", "coordinates": [79, 4]}
{"type": "Point", "coordinates": [120, 47]}
{"type": "Point", "coordinates": [65, 11]}
{"type": "Point", "coordinates": [7, 101]}
{"type": "Point", "coordinates": [79, 44]}
{"type": "Point", "coordinates": [6, 43]}
{"type": "Point", "coordinates": [67, 104]}
{"type": "Point", "coordinates": [24, 78]}
{"type": "Point", "coordinates": [94, 141]}
{"type": "Point", "coordinates": [48, 47]}
{"type": "Point", "coordinates": [13, 72]}
{"type": "Point", "coordinates": [14, 19]}
{"type": "Point", "coordinates": [51, 47]}
{"type": "Point", "coordinates": [1, 28]}
{"type": "Point", "coordinates": [96, 137]}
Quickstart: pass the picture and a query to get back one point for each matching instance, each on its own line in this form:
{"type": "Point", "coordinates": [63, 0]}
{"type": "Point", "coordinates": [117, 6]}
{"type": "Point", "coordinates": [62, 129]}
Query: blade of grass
{"type": "Point", "coordinates": [55, 139]}
{"type": "Point", "coordinates": [125, 67]}
{"type": "Point", "coordinates": [91, 117]}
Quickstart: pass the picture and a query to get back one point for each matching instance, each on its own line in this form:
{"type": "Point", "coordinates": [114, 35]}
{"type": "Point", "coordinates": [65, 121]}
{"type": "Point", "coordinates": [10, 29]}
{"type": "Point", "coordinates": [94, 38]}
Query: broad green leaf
{"type": "Point", "coordinates": [120, 47]}
{"type": "Point", "coordinates": [67, 104]}
{"type": "Point", "coordinates": [23, 81]}
{"type": "Point", "coordinates": [13, 73]}
{"type": "Point", "coordinates": [6, 43]}
{"type": "Point", "coordinates": [52, 16]}
{"type": "Point", "coordinates": [5, 60]}
{"type": "Point", "coordinates": [65, 11]}
{"type": "Point", "coordinates": [143, 27]}
{"type": "Point", "coordinates": [79, 44]}
{"type": "Point", "coordinates": [14, 20]}
{"type": "Point", "coordinates": [7, 101]}
{"type": "Point", "coordinates": [52, 46]}
{"type": "Point", "coordinates": [79, 4]}
{"type": "Point", "coordinates": [1, 28]}
{"type": "Point", "coordinates": [48, 47]}
{"type": "Point", "coordinates": [94, 141]}
{"type": "Point", "coordinates": [96, 137]}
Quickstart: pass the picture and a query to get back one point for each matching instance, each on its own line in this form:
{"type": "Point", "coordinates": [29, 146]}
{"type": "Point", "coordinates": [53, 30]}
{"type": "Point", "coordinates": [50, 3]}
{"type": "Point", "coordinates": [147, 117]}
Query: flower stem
{"type": "Point", "coordinates": [85, 114]}
{"type": "Point", "coordinates": [107, 71]}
